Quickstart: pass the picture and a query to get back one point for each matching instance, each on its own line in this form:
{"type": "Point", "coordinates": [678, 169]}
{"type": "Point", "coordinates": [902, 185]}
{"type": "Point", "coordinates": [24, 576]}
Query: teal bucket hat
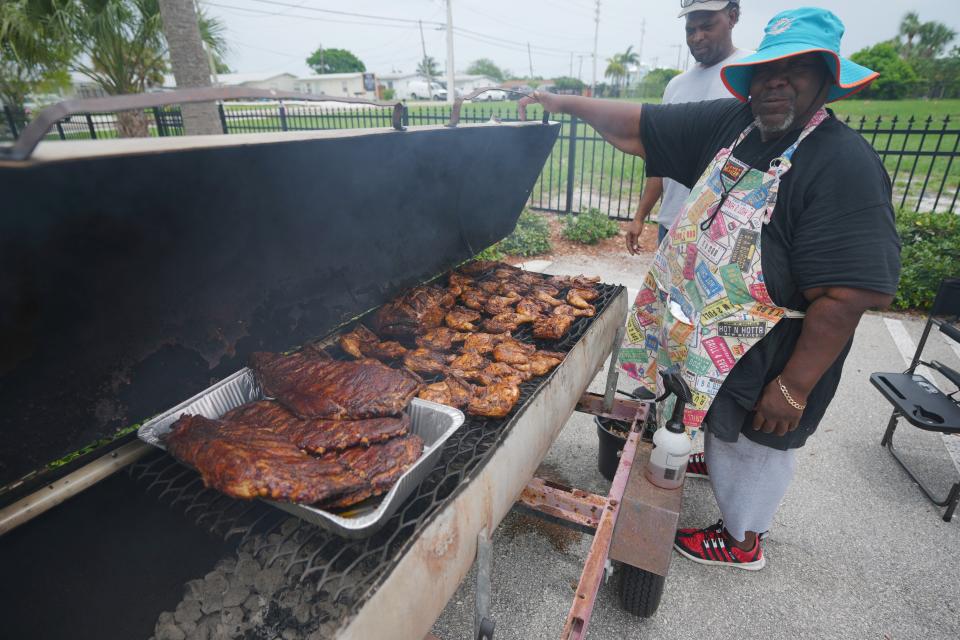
{"type": "Point", "coordinates": [793, 33]}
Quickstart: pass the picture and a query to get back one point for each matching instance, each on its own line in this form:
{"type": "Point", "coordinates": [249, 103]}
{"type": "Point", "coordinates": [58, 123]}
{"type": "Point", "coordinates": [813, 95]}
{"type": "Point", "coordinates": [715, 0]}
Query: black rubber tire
{"type": "Point", "coordinates": [640, 591]}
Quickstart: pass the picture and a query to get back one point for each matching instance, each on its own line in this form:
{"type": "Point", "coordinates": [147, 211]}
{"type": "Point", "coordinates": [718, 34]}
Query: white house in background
{"type": "Point", "coordinates": [277, 81]}
{"type": "Point", "coordinates": [400, 83]}
{"type": "Point", "coordinates": [351, 85]}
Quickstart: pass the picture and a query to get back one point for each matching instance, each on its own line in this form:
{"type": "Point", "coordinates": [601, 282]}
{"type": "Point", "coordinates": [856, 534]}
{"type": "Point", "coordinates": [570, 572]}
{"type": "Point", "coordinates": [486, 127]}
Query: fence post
{"type": "Point", "coordinates": [223, 117]}
{"type": "Point", "coordinates": [63, 136]}
{"type": "Point", "coordinates": [93, 130]}
{"type": "Point", "coordinates": [405, 118]}
{"type": "Point", "coordinates": [283, 117]}
{"type": "Point", "coordinates": [11, 122]}
{"type": "Point", "coordinates": [571, 161]}
{"type": "Point", "coordinates": [161, 127]}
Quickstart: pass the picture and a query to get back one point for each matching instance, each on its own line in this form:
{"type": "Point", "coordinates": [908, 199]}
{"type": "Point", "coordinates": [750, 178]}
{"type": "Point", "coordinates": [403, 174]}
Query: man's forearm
{"type": "Point", "coordinates": [652, 190]}
{"type": "Point", "coordinates": [618, 122]}
{"type": "Point", "coordinates": [829, 324]}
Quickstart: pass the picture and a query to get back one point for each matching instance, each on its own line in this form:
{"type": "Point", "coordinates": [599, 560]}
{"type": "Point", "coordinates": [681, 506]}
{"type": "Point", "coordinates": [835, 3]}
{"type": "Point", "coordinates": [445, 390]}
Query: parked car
{"type": "Point", "coordinates": [418, 90]}
{"type": "Point", "coordinates": [491, 95]}
{"type": "Point", "coordinates": [520, 91]}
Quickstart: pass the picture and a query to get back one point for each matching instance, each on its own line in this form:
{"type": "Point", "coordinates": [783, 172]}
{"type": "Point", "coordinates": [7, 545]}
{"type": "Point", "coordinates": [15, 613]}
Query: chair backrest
{"type": "Point", "coordinates": [947, 302]}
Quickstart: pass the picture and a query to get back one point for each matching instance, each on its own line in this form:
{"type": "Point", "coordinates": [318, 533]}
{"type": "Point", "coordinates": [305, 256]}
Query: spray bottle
{"type": "Point", "coordinates": [671, 445]}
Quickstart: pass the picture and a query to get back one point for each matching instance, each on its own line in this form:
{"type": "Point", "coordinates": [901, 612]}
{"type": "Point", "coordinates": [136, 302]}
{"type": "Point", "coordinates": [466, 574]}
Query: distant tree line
{"type": "Point", "coordinates": [914, 64]}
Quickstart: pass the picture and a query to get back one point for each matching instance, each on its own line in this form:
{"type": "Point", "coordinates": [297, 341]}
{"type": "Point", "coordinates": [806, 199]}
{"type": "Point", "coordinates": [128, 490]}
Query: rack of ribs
{"type": "Point", "coordinates": [244, 461]}
{"type": "Point", "coordinates": [318, 435]}
{"type": "Point", "coordinates": [314, 387]}
{"type": "Point", "coordinates": [419, 309]}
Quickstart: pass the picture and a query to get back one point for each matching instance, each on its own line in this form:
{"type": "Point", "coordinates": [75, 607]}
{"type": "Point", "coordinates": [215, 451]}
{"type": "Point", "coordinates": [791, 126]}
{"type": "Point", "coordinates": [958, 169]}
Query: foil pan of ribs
{"type": "Point", "coordinates": [306, 459]}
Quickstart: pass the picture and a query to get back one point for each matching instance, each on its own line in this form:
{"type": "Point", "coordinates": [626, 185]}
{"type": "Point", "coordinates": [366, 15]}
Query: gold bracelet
{"type": "Point", "coordinates": [786, 394]}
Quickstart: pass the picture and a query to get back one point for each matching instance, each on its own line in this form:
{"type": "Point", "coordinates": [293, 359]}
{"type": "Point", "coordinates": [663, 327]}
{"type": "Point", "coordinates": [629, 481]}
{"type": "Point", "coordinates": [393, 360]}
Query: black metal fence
{"type": "Point", "coordinates": [583, 171]}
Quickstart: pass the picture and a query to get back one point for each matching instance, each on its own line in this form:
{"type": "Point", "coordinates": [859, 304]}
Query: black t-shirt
{"type": "Point", "coordinates": [833, 225]}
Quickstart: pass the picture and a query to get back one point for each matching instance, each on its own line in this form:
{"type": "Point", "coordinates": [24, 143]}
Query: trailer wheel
{"type": "Point", "coordinates": [640, 590]}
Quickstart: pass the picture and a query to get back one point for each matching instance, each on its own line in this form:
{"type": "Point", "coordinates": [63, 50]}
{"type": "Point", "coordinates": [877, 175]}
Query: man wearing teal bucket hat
{"type": "Point", "coordinates": [786, 239]}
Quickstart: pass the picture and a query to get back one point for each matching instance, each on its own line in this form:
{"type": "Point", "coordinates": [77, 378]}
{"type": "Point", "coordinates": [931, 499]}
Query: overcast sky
{"type": "Point", "coordinates": [278, 35]}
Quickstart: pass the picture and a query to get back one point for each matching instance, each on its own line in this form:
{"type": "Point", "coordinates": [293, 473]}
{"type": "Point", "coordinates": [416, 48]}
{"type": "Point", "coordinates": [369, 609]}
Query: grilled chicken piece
{"type": "Point", "coordinates": [245, 461]}
{"type": "Point", "coordinates": [567, 310]}
{"type": "Point", "coordinates": [500, 304]}
{"type": "Point", "coordinates": [552, 327]}
{"type": "Point", "coordinates": [361, 343]}
{"type": "Point", "coordinates": [506, 322]}
{"type": "Point", "coordinates": [581, 298]}
{"type": "Point", "coordinates": [425, 361]}
{"type": "Point", "coordinates": [452, 391]}
{"type": "Point", "coordinates": [417, 310]}
{"type": "Point", "coordinates": [314, 387]}
{"type": "Point", "coordinates": [542, 362]}
{"type": "Point", "coordinates": [542, 296]}
{"type": "Point", "coordinates": [462, 319]}
{"type": "Point", "coordinates": [440, 338]}
{"type": "Point", "coordinates": [513, 352]}
{"type": "Point", "coordinates": [468, 361]}
{"type": "Point", "coordinates": [494, 401]}
{"type": "Point", "coordinates": [502, 372]}
{"type": "Point", "coordinates": [458, 282]}
{"type": "Point", "coordinates": [506, 271]}
{"type": "Point", "coordinates": [482, 342]}
{"type": "Point", "coordinates": [580, 282]}
{"type": "Point", "coordinates": [317, 435]}
{"type": "Point", "coordinates": [489, 287]}
{"type": "Point", "coordinates": [529, 307]}
{"type": "Point", "coordinates": [473, 299]}
{"type": "Point", "coordinates": [512, 288]}
{"type": "Point", "coordinates": [380, 466]}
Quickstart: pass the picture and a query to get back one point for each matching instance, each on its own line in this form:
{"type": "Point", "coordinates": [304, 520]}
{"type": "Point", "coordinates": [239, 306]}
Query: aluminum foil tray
{"type": "Point", "coordinates": [433, 422]}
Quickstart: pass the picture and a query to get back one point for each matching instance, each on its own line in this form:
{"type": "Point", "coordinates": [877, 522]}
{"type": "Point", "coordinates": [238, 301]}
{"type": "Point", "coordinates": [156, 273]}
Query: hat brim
{"type": "Point", "coordinates": [849, 77]}
{"type": "Point", "coordinates": [715, 5]}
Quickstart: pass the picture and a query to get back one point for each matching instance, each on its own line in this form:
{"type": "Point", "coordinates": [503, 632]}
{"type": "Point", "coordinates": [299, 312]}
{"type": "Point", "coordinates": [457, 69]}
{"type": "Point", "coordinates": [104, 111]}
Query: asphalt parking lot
{"type": "Point", "coordinates": [856, 551]}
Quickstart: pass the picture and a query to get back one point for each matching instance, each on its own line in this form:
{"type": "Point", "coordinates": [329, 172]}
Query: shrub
{"type": "Point", "coordinates": [531, 236]}
{"type": "Point", "coordinates": [589, 227]}
{"type": "Point", "coordinates": [389, 94]}
{"type": "Point", "coordinates": [490, 253]}
{"type": "Point", "coordinates": [930, 253]}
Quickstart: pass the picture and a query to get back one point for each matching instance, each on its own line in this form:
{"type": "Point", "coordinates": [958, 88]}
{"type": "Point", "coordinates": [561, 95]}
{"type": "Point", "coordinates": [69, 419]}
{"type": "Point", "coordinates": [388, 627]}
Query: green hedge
{"type": "Point", "coordinates": [930, 253]}
{"type": "Point", "coordinates": [590, 227]}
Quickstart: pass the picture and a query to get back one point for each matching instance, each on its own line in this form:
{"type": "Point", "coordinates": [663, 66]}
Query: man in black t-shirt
{"type": "Point", "coordinates": [824, 250]}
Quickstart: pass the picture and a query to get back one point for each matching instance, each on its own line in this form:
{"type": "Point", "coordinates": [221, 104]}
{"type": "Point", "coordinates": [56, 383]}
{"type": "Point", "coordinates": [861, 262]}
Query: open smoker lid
{"type": "Point", "coordinates": [135, 273]}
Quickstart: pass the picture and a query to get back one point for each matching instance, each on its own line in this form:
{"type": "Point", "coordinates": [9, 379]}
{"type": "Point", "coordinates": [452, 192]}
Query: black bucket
{"type": "Point", "coordinates": [612, 436]}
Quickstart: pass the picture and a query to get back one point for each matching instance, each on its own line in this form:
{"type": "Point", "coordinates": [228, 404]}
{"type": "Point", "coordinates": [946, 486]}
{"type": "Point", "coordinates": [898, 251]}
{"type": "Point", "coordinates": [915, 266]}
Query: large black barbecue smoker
{"type": "Point", "coordinates": [138, 275]}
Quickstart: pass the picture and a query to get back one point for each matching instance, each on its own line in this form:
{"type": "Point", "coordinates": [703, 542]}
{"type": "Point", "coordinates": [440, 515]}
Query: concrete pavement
{"type": "Point", "coordinates": [856, 551]}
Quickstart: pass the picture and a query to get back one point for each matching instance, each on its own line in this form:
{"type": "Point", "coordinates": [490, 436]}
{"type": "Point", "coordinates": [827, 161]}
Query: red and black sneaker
{"type": "Point", "coordinates": [697, 466]}
{"type": "Point", "coordinates": [707, 546]}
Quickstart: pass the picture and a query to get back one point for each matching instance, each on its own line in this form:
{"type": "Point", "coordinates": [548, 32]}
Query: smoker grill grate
{"type": "Point", "coordinates": [338, 573]}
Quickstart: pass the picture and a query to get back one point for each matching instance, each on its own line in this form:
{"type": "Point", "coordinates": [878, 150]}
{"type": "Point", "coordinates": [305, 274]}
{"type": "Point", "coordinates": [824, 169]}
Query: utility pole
{"type": "Point", "coordinates": [580, 70]}
{"type": "Point", "coordinates": [321, 58]}
{"type": "Point", "coordinates": [596, 35]}
{"type": "Point", "coordinates": [451, 75]}
{"type": "Point", "coordinates": [679, 51]}
{"type": "Point", "coordinates": [571, 65]}
{"type": "Point", "coordinates": [424, 65]}
{"type": "Point", "coordinates": [530, 60]}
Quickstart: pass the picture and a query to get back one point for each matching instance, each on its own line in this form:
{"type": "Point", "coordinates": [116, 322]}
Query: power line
{"type": "Point", "coordinates": [260, 12]}
{"type": "Point", "coordinates": [343, 13]}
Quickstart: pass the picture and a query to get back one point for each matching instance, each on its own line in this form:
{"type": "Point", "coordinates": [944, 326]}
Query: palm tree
{"type": "Point", "coordinates": [121, 47]}
{"type": "Point", "coordinates": [190, 62]}
{"type": "Point", "coordinates": [934, 38]}
{"type": "Point", "coordinates": [428, 67]}
{"type": "Point", "coordinates": [627, 58]}
{"type": "Point", "coordinates": [31, 54]}
{"type": "Point", "coordinates": [909, 29]}
{"type": "Point", "coordinates": [615, 70]}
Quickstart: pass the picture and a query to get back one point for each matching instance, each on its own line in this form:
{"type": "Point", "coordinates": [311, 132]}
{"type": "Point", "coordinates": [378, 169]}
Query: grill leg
{"type": "Point", "coordinates": [483, 625]}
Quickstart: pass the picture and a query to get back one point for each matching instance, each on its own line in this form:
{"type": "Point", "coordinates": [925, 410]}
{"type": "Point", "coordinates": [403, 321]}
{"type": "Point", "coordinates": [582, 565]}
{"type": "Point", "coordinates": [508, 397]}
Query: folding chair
{"type": "Point", "coordinates": [919, 401]}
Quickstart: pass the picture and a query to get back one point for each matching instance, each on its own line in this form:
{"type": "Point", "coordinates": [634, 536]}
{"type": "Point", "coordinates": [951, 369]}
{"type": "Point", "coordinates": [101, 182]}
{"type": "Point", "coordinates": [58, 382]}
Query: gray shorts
{"type": "Point", "coordinates": [749, 480]}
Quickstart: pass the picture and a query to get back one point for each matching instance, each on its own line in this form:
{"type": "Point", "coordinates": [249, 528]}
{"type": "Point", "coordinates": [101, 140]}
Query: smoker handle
{"type": "Point", "coordinates": [457, 103]}
{"type": "Point", "coordinates": [38, 128]}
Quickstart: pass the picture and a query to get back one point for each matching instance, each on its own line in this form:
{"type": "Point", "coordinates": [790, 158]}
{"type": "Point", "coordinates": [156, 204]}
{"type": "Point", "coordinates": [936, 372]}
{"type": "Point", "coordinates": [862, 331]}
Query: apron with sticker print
{"type": "Point", "coordinates": [703, 303]}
